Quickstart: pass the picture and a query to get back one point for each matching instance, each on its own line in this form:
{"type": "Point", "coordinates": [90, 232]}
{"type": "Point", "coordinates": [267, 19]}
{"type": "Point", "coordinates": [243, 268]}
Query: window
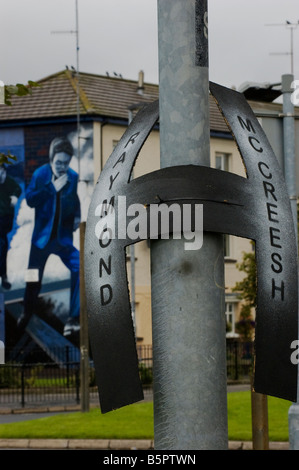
{"type": "Point", "coordinates": [230, 319]}
{"type": "Point", "coordinates": [226, 242]}
{"type": "Point", "coordinates": [222, 161]}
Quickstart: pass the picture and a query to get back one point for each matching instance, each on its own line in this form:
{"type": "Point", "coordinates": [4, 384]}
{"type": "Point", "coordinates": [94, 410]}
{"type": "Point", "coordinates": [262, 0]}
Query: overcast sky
{"type": "Point", "coordinates": [121, 36]}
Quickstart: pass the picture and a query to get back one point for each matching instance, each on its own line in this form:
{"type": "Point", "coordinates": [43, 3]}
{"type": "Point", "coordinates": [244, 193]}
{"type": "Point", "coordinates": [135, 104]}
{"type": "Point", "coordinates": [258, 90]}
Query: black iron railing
{"type": "Point", "coordinates": [48, 383]}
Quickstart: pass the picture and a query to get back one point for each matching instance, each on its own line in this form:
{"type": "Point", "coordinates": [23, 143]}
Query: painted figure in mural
{"type": "Point", "coordinates": [10, 191]}
{"type": "Point", "coordinates": [52, 192]}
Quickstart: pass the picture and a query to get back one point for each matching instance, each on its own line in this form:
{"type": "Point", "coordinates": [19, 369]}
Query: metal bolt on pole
{"type": "Point", "coordinates": [190, 401]}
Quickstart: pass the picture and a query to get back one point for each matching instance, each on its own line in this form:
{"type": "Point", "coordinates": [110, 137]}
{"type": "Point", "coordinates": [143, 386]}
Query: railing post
{"type": "Point", "coordinates": [22, 385]}
{"type": "Point", "coordinates": [77, 378]}
{"type": "Point", "coordinates": [236, 360]}
{"type": "Point", "coordinates": [67, 359]}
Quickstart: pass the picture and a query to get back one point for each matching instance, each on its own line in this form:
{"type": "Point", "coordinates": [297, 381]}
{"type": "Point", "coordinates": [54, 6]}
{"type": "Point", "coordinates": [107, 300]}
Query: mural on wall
{"type": "Point", "coordinates": [52, 192]}
{"type": "Point", "coordinates": [10, 191]}
{"type": "Point", "coordinates": [2, 330]}
{"type": "Point", "coordinates": [55, 188]}
{"type": "Point", "coordinates": [11, 195]}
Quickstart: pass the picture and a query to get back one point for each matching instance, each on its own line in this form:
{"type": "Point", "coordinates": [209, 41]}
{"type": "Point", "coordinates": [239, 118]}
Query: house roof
{"type": "Point", "coordinates": [104, 96]}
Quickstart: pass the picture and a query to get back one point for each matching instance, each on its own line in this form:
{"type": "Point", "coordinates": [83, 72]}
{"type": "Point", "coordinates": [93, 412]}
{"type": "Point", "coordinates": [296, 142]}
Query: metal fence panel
{"type": "Point", "coordinates": [48, 384]}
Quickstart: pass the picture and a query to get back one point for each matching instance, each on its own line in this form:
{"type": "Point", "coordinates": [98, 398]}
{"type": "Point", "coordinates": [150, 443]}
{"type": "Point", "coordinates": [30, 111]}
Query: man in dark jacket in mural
{"type": "Point", "coordinates": [10, 191]}
{"type": "Point", "coordinates": [52, 192]}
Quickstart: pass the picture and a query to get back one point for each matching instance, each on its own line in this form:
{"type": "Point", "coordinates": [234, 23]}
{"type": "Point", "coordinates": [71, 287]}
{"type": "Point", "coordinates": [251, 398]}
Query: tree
{"type": "Point", "coordinates": [247, 289]}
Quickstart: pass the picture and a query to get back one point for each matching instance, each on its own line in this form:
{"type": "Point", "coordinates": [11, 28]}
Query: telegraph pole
{"type": "Point", "coordinates": [84, 339]}
{"type": "Point", "coordinates": [190, 402]}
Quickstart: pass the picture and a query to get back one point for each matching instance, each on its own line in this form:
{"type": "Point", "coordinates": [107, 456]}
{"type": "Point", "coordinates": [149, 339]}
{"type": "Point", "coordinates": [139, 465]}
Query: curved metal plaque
{"type": "Point", "coordinates": [256, 207]}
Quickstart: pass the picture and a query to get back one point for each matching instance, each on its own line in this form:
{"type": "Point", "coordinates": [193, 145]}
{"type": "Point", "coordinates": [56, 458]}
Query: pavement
{"type": "Point", "coordinates": [109, 444]}
{"type": "Point", "coordinates": [9, 415]}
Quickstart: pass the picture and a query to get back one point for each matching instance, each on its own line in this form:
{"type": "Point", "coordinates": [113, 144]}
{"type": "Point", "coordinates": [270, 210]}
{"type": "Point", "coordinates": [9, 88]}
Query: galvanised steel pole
{"type": "Point", "coordinates": [290, 179]}
{"type": "Point", "coordinates": [289, 143]}
{"type": "Point", "coordinates": [190, 400]}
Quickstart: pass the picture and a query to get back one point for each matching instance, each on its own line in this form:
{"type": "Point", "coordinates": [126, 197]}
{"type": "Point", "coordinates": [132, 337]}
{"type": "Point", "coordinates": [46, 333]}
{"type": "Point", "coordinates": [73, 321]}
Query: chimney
{"type": "Point", "coordinates": [140, 88]}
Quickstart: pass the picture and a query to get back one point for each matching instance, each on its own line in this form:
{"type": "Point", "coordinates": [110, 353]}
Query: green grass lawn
{"type": "Point", "coordinates": [131, 422]}
{"type": "Point", "coordinates": [239, 417]}
{"type": "Point", "coordinates": [136, 422]}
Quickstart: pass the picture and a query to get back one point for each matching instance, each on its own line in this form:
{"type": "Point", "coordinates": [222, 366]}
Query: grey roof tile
{"type": "Point", "coordinates": [110, 97]}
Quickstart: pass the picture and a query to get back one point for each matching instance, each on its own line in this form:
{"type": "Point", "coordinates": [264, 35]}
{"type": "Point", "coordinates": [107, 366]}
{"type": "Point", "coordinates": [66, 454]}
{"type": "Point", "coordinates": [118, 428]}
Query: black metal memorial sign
{"type": "Point", "coordinates": [256, 207]}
